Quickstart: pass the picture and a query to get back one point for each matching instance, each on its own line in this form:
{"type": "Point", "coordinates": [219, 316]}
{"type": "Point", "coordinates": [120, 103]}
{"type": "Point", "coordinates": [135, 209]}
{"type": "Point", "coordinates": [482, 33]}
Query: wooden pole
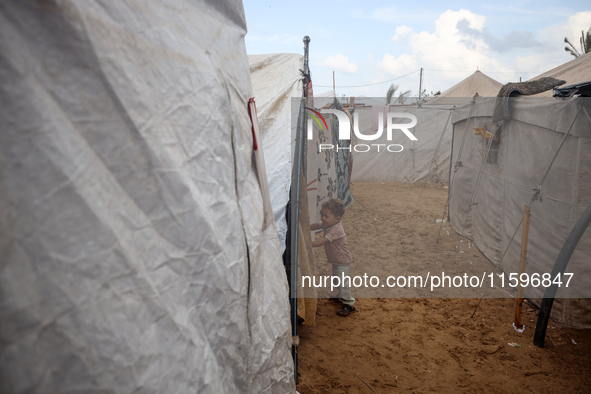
{"type": "Point", "coordinates": [420, 83]}
{"type": "Point", "coordinates": [522, 260]}
{"type": "Point", "coordinates": [333, 84]}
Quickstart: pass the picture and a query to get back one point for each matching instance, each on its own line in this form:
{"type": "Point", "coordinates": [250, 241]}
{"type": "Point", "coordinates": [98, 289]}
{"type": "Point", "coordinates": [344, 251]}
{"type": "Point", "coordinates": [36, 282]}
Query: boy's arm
{"type": "Point", "coordinates": [320, 242]}
{"type": "Point", "coordinates": [316, 226]}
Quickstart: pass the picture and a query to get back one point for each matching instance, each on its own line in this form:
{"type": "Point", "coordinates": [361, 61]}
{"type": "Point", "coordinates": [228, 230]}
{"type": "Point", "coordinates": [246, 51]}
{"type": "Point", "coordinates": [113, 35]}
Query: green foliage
{"type": "Point", "coordinates": [391, 90]}
{"type": "Point", "coordinates": [584, 41]}
{"type": "Point", "coordinates": [402, 96]}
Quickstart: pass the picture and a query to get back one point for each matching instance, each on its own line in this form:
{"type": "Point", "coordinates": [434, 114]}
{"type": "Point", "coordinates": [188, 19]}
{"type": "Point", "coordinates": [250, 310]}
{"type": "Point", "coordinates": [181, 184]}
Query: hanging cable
{"type": "Point", "coordinates": [368, 84]}
{"type": "Point", "coordinates": [433, 160]}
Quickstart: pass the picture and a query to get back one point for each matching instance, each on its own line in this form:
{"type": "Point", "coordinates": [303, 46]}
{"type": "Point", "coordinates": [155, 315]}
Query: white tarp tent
{"type": "Point", "coordinates": [278, 88]}
{"type": "Point", "coordinates": [428, 158]}
{"type": "Point", "coordinates": [134, 257]}
{"type": "Point", "coordinates": [487, 197]}
{"type": "Point", "coordinates": [276, 79]}
{"type": "Point", "coordinates": [477, 83]}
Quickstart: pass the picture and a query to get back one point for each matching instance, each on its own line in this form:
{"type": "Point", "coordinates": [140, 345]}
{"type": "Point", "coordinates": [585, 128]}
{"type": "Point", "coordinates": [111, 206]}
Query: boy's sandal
{"type": "Point", "coordinates": [346, 310]}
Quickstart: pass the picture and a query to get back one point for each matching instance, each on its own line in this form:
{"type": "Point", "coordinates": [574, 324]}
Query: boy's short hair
{"type": "Point", "coordinates": [335, 205]}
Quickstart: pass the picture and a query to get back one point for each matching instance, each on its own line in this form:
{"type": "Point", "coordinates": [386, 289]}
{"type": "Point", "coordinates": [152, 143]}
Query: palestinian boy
{"type": "Point", "coordinates": [337, 250]}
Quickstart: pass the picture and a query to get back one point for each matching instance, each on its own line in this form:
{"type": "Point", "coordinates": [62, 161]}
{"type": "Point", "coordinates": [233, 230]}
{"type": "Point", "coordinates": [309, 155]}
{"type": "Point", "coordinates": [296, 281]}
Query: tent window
{"type": "Point", "coordinates": [493, 154]}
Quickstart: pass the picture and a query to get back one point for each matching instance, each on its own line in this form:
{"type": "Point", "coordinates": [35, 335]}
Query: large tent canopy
{"type": "Point", "coordinates": [135, 252]}
{"type": "Point", "coordinates": [542, 160]}
{"type": "Point", "coordinates": [576, 71]}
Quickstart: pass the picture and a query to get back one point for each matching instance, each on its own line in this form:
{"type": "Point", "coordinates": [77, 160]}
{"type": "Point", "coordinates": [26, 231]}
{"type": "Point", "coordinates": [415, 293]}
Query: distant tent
{"type": "Point", "coordinates": [477, 83]}
{"type": "Point", "coordinates": [428, 158]}
{"type": "Point", "coordinates": [135, 256]}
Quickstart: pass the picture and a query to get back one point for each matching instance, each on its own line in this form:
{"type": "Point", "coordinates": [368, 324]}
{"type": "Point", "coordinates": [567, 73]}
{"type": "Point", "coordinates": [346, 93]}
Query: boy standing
{"type": "Point", "coordinates": [337, 250]}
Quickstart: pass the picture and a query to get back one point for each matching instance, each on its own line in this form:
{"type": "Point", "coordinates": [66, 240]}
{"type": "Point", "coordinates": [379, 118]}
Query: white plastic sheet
{"type": "Point", "coordinates": [133, 255]}
{"type": "Point", "coordinates": [276, 78]}
{"type": "Point", "coordinates": [502, 187]}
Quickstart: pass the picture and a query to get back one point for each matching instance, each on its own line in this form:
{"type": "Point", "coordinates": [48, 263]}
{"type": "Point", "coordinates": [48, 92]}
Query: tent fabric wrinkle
{"type": "Point", "coordinates": [276, 79]}
{"type": "Point", "coordinates": [540, 150]}
{"type": "Point", "coordinates": [132, 210]}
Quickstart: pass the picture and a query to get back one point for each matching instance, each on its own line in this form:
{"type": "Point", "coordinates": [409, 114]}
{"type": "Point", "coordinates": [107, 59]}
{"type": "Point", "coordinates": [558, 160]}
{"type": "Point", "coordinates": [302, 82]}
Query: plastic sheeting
{"type": "Point", "coordinates": [133, 255]}
{"type": "Point", "coordinates": [424, 160]}
{"type": "Point", "coordinates": [327, 170]}
{"type": "Point", "coordinates": [428, 158]}
{"type": "Point", "coordinates": [276, 78]}
{"type": "Point", "coordinates": [498, 193]}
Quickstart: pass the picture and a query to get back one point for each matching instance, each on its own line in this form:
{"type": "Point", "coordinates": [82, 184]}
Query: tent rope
{"type": "Point", "coordinates": [457, 165]}
{"type": "Point", "coordinates": [536, 195]}
{"type": "Point", "coordinates": [537, 191]}
{"type": "Point", "coordinates": [433, 160]}
{"type": "Point", "coordinates": [442, 219]}
{"type": "Point", "coordinates": [477, 184]}
{"type": "Point", "coordinates": [458, 162]}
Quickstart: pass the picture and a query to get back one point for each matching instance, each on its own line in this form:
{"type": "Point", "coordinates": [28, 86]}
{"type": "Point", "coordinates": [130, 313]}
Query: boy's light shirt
{"type": "Point", "coordinates": [327, 229]}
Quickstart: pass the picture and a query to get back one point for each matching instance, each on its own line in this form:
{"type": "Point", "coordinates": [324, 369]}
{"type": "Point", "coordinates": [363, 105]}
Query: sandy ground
{"type": "Point", "coordinates": [424, 344]}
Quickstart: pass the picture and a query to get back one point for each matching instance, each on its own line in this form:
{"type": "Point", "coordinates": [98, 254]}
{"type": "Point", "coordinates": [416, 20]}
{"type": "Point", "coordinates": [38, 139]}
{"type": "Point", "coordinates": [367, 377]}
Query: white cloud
{"type": "Point", "coordinates": [570, 29]}
{"type": "Point", "coordinates": [401, 31]}
{"type": "Point", "coordinates": [398, 66]}
{"type": "Point", "coordinates": [340, 62]}
{"type": "Point", "coordinates": [446, 49]}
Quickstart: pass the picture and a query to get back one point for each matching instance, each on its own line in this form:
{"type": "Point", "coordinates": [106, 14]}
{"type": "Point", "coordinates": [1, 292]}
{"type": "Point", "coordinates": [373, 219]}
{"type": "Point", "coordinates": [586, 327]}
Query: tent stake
{"type": "Point", "coordinates": [522, 260]}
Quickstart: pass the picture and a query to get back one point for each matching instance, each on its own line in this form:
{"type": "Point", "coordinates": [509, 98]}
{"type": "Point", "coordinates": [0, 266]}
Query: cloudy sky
{"type": "Point", "coordinates": [371, 44]}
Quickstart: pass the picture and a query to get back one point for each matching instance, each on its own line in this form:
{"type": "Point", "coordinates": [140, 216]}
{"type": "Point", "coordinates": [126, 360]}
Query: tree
{"type": "Point", "coordinates": [585, 42]}
{"type": "Point", "coordinates": [390, 93]}
{"type": "Point", "coordinates": [391, 90]}
{"type": "Point", "coordinates": [425, 94]}
{"type": "Point", "coordinates": [402, 96]}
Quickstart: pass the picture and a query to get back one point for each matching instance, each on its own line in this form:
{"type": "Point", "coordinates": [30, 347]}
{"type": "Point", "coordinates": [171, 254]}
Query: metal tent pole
{"type": "Point", "coordinates": [295, 206]}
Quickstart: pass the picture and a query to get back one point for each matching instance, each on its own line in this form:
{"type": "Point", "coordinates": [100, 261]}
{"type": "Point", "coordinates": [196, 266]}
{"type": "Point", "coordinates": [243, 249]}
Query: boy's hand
{"type": "Point", "coordinates": [316, 226]}
{"type": "Point", "coordinates": [320, 242]}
